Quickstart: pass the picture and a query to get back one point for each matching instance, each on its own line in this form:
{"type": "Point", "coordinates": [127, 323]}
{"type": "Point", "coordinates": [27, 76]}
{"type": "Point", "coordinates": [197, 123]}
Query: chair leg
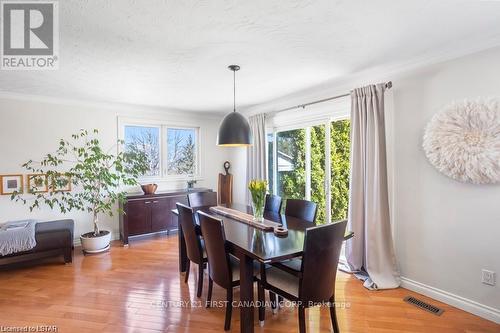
{"type": "Point", "coordinates": [274, 300]}
{"type": "Point", "coordinates": [302, 319]}
{"type": "Point", "coordinates": [188, 266]}
{"type": "Point", "coordinates": [333, 315]}
{"type": "Point", "coordinates": [200, 280]}
{"type": "Point", "coordinates": [209, 295]}
{"type": "Point", "coordinates": [280, 302]}
{"type": "Point", "coordinates": [262, 308]}
{"type": "Point", "coordinates": [229, 309]}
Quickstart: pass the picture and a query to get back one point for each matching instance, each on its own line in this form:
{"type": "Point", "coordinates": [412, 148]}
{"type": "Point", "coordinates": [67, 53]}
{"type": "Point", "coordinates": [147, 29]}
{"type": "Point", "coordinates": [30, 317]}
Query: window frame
{"type": "Point", "coordinates": [323, 114]}
{"type": "Point", "coordinates": [163, 146]}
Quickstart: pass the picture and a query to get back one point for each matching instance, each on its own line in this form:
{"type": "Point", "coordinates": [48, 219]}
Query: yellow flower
{"type": "Point", "coordinates": [257, 185]}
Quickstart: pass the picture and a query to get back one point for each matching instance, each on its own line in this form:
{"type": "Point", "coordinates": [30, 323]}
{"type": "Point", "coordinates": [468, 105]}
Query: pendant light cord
{"type": "Point", "coordinates": [234, 91]}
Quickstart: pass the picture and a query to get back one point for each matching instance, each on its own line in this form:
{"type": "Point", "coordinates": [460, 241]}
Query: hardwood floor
{"type": "Point", "coordinates": [139, 289]}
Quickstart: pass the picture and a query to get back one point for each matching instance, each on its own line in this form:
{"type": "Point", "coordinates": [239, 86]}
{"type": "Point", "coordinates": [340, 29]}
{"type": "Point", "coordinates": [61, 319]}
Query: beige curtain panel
{"type": "Point", "coordinates": [370, 254]}
{"type": "Point", "coordinates": [256, 154]}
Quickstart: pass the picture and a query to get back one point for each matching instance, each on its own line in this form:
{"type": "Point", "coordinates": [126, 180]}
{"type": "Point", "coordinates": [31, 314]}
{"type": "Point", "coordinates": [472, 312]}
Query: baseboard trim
{"type": "Point", "coordinates": [462, 303]}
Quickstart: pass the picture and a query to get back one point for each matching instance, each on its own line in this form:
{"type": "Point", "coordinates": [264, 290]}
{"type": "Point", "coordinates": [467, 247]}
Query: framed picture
{"type": "Point", "coordinates": [60, 183]}
{"type": "Point", "coordinates": [37, 183]}
{"type": "Point", "coordinates": [11, 183]}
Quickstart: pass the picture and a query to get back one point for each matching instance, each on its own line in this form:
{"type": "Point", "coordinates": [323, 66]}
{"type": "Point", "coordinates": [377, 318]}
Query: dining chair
{"type": "Point", "coordinates": [304, 210]}
{"type": "Point", "coordinates": [314, 284]}
{"type": "Point", "coordinates": [223, 268]}
{"type": "Point", "coordinates": [194, 245]}
{"type": "Point", "coordinates": [273, 203]}
{"type": "Point", "coordinates": [200, 199]}
{"type": "Point", "coordinates": [301, 209]}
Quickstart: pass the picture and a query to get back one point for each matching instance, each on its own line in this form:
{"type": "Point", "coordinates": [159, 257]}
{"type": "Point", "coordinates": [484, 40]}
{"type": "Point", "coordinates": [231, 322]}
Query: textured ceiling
{"type": "Point", "coordinates": [174, 53]}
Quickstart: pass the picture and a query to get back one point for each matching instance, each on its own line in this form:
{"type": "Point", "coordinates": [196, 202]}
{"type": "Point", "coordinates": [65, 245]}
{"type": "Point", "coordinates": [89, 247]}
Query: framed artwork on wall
{"type": "Point", "coordinates": [37, 183]}
{"type": "Point", "coordinates": [60, 183]}
{"type": "Point", "coordinates": [11, 183]}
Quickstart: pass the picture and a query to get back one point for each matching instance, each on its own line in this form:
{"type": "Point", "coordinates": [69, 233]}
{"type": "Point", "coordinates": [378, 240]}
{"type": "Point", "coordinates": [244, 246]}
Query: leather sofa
{"type": "Point", "coordinates": [53, 238]}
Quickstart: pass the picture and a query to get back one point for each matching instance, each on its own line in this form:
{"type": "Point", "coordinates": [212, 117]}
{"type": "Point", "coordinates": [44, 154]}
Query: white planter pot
{"type": "Point", "coordinates": [92, 244]}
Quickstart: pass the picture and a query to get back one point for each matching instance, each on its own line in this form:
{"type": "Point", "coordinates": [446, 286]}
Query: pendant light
{"type": "Point", "coordinates": [234, 130]}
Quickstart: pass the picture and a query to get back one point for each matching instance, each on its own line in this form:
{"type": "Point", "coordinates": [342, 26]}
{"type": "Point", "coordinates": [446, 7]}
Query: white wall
{"type": "Point", "coordinates": [445, 232]}
{"type": "Point", "coordinates": [30, 128]}
{"type": "Point", "coordinates": [238, 159]}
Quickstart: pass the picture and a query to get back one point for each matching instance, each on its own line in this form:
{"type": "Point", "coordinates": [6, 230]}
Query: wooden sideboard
{"type": "Point", "coordinates": [148, 214]}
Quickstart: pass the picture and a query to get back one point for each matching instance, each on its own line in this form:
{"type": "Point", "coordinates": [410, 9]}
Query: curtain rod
{"type": "Point", "coordinates": [388, 85]}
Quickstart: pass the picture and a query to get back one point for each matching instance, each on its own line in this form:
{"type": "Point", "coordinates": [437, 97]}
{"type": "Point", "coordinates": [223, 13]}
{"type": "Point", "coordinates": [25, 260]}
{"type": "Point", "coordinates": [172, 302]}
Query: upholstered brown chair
{"type": "Point", "coordinates": [301, 209]}
{"type": "Point", "coordinates": [314, 284]}
{"type": "Point", "coordinates": [200, 199]}
{"type": "Point", "coordinates": [273, 203]}
{"type": "Point", "coordinates": [223, 268]}
{"type": "Point", "coordinates": [194, 245]}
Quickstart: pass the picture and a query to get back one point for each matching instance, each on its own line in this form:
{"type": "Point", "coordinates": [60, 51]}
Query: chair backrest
{"type": "Point", "coordinates": [322, 246]}
{"type": "Point", "coordinates": [216, 247]}
{"type": "Point", "coordinates": [194, 250]}
{"type": "Point", "coordinates": [200, 199]}
{"type": "Point", "coordinates": [273, 203]}
{"type": "Point", "coordinates": [301, 209]}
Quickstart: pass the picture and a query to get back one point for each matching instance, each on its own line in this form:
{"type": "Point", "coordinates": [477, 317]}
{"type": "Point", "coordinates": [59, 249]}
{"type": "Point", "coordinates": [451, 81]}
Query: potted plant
{"type": "Point", "coordinates": [258, 189]}
{"type": "Point", "coordinates": [91, 182]}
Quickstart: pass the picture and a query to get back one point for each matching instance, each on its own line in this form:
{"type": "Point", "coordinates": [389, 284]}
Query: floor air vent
{"type": "Point", "coordinates": [423, 305]}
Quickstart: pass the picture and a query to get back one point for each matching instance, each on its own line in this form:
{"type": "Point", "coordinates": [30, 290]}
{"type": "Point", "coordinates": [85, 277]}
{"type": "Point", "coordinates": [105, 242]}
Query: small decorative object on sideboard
{"type": "Point", "coordinates": [225, 187]}
{"type": "Point", "coordinates": [258, 189]}
{"type": "Point", "coordinates": [149, 188]}
{"type": "Point", "coordinates": [191, 182]}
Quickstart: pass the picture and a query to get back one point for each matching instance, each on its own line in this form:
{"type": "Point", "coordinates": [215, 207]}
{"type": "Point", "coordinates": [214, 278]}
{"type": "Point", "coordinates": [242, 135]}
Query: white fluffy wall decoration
{"type": "Point", "coordinates": [463, 141]}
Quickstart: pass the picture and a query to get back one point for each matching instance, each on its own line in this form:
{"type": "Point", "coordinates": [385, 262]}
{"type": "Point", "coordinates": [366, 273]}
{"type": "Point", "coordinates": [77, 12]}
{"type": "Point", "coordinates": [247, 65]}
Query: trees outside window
{"type": "Point", "coordinates": [340, 145]}
{"type": "Point", "coordinates": [181, 151]}
{"type": "Point", "coordinates": [145, 140]}
{"type": "Point", "coordinates": [292, 170]}
{"type": "Point", "coordinates": [291, 162]}
{"type": "Point", "coordinates": [169, 151]}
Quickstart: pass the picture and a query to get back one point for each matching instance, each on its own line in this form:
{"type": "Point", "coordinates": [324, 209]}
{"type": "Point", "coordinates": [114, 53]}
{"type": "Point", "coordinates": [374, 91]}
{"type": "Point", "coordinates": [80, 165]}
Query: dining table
{"type": "Point", "coordinates": [250, 244]}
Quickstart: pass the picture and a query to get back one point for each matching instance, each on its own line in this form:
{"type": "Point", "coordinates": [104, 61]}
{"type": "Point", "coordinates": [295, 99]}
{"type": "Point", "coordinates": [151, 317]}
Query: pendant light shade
{"type": "Point", "coordinates": [234, 130]}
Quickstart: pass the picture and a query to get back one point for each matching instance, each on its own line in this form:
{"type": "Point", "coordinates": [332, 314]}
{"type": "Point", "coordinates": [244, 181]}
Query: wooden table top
{"type": "Point", "coordinates": [264, 246]}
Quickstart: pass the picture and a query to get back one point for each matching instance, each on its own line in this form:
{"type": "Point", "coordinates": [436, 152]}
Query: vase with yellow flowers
{"type": "Point", "coordinates": [258, 189]}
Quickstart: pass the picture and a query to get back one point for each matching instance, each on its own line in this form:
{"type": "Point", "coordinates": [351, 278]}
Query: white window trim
{"type": "Point", "coordinates": [163, 147]}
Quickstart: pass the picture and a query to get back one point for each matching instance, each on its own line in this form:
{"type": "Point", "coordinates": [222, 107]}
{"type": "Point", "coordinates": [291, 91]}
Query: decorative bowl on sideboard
{"type": "Point", "coordinates": [149, 188]}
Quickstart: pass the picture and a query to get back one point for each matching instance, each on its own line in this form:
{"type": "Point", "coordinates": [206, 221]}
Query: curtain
{"type": "Point", "coordinates": [370, 253]}
{"type": "Point", "coordinates": [256, 154]}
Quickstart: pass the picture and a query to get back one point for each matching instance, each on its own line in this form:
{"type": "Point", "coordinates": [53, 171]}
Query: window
{"type": "Point", "coordinates": [181, 151]}
{"type": "Point", "coordinates": [312, 163]}
{"type": "Point", "coordinates": [171, 152]}
{"type": "Point", "coordinates": [291, 166]}
{"type": "Point", "coordinates": [145, 140]}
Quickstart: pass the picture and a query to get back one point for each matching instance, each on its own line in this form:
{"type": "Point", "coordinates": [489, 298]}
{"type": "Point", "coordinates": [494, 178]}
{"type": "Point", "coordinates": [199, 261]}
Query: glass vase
{"type": "Point", "coordinates": [258, 210]}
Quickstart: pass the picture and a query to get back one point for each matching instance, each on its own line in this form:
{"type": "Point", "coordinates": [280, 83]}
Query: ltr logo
{"type": "Point", "coordinates": [29, 35]}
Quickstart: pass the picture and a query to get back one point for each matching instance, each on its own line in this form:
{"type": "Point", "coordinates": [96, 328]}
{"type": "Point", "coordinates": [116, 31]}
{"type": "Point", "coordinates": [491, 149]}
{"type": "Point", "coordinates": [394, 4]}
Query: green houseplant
{"type": "Point", "coordinates": [82, 176]}
{"type": "Point", "coordinates": [258, 189]}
